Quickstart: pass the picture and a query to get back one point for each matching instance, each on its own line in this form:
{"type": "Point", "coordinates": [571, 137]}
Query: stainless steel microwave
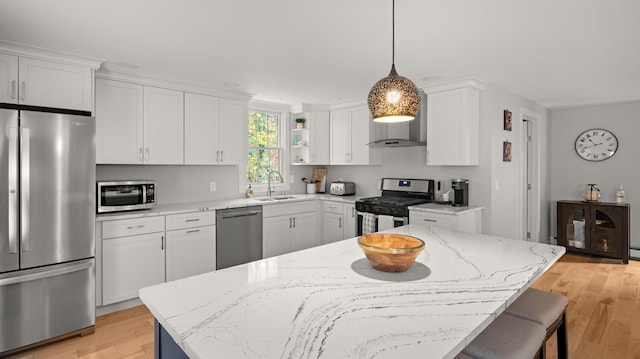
{"type": "Point", "coordinates": [115, 196]}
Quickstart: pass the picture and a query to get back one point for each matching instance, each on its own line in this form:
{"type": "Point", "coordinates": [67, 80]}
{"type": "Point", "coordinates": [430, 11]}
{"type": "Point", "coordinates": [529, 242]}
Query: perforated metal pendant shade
{"type": "Point", "coordinates": [394, 98]}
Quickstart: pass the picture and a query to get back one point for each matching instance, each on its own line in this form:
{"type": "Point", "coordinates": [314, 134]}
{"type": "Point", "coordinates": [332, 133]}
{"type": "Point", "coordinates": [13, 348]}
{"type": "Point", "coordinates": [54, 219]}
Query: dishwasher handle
{"type": "Point", "coordinates": [240, 214]}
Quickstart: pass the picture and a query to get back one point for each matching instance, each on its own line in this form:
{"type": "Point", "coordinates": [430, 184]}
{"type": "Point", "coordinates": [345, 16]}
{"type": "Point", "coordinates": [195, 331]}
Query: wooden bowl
{"type": "Point", "coordinates": [389, 252]}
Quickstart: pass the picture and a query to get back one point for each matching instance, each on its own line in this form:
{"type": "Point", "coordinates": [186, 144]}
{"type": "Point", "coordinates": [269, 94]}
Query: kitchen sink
{"type": "Point", "coordinates": [277, 198]}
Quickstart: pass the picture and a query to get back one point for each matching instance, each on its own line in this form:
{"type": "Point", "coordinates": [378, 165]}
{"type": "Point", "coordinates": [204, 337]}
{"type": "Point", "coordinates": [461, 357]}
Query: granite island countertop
{"type": "Point", "coordinates": [328, 302]}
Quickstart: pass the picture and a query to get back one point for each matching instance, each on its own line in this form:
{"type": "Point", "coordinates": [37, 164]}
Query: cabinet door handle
{"type": "Point", "coordinates": [146, 154]}
{"type": "Point", "coordinates": [23, 90]}
{"type": "Point", "coordinates": [218, 156]}
{"type": "Point", "coordinates": [140, 154]}
{"type": "Point", "coordinates": [162, 243]}
{"type": "Point", "coordinates": [13, 89]}
{"type": "Point", "coordinates": [430, 220]}
{"type": "Point", "coordinates": [193, 231]}
{"type": "Point", "coordinates": [294, 222]}
{"type": "Point", "coordinates": [290, 222]}
{"type": "Point", "coordinates": [339, 222]}
{"type": "Point", "coordinates": [353, 212]}
{"type": "Point", "coordinates": [221, 155]}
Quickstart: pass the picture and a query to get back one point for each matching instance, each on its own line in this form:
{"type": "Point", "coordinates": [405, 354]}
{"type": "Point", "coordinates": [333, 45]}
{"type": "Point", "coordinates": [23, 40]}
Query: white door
{"type": "Point", "coordinates": [319, 138]}
{"type": "Point", "coordinates": [119, 122]}
{"type": "Point", "coordinates": [359, 131]}
{"type": "Point", "coordinates": [201, 118]}
{"type": "Point", "coordinates": [350, 220]}
{"type": "Point", "coordinates": [131, 263]}
{"type": "Point", "coordinates": [163, 126]}
{"type": "Point", "coordinates": [333, 224]}
{"type": "Point", "coordinates": [276, 236]}
{"type": "Point", "coordinates": [340, 128]}
{"type": "Point", "coordinates": [190, 252]}
{"type": "Point", "coordinates": [530, 194]}
{"type": "Point", "coordinates": [8, 78]}
{"type": "Point", "coordinates": [52, 84]}
{"type": "Point", "coordinates": [304, 231]}
{"type": "Point", "coordinates": [233, 131]}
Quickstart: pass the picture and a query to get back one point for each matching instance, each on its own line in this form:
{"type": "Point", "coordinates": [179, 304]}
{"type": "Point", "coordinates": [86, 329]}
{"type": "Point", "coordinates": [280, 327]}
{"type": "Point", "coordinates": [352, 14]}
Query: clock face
{"type": "Point", "coordinates": [596, 144]}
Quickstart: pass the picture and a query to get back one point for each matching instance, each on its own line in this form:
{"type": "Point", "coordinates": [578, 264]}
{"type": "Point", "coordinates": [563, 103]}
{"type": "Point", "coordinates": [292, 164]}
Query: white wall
{"type": "Point", "coordinates": [570, 173]}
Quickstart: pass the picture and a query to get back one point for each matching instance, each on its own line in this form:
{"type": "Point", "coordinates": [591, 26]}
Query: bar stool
{"type": "Point", "coordinates": [546, 309]}
{"type": "Point", "coordinates": [508, 337]}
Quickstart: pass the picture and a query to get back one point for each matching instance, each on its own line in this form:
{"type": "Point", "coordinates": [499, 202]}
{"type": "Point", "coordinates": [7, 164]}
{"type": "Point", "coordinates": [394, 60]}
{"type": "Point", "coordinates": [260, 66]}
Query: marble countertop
{"type": "Point", "coordinates": [445, 208]}
{"type": "Point", "coordinates": [176, 208]}
{"type": "Point", "coordinates": [328, 302]}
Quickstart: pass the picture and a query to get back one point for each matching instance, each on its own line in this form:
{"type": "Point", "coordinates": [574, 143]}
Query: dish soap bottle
{"type": "Point", "coordinates": [249, 192]}
{"type": "Point", "coordinates": [620, 195]}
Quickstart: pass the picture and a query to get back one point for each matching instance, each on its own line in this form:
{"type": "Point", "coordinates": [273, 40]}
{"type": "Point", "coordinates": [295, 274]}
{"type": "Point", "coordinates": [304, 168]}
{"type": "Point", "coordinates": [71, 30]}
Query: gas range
{"type": "Point", "coordinates": [397, 195]}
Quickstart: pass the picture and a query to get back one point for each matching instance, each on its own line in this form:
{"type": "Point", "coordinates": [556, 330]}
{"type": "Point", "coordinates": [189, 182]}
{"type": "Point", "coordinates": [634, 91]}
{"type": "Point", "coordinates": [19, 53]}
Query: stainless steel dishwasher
{"type": "Point", "coordinates": [238, 236]}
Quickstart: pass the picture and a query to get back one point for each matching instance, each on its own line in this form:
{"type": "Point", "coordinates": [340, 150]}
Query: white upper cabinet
{"type": "Point", "coordinates": [8, 78]}
{"type": "Point", "coordinates": [138, 124]}
{"type": "Point", "coordinates": [453, 119]}
{"type": "Point", "coordinates": [119, 122]}
{"type": "Point", "coordinates": [40, 82]}
{"type": "Point", "coordinates": [163, 126]}
{"type": "Point", "coordinates": [233, 131]}
{"type": "Point", "coordinates": [351, 130]}
{"type": "Point", "coordinates": [214, 130]}
{"type": "Point", "coordinates": [201, 129]}
{"type": "Point", "coordinates": [310, 144]}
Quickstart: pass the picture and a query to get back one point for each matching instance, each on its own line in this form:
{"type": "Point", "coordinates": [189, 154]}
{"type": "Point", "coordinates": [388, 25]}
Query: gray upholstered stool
{"type": "Point", "coordinates": [508, 337]}
{"type": "Point", "coordinates": [546, 309]}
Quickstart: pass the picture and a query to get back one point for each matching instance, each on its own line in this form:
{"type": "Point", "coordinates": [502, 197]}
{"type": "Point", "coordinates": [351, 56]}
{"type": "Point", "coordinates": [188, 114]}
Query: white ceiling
{"type": "Point", "coordinates": [556, 52]}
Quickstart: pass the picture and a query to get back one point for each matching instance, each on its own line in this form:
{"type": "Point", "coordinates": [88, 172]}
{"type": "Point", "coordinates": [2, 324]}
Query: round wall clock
{"type": "Point", "coordinates": [596, 144]}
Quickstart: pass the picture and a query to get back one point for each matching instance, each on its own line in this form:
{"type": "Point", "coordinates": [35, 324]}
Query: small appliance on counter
{"type": "Point", "coordinates": [340, 188]}
{"type": "Point", "coordinates": [460, 187]}
{"type": "Point", "coordinates": [116, 196]}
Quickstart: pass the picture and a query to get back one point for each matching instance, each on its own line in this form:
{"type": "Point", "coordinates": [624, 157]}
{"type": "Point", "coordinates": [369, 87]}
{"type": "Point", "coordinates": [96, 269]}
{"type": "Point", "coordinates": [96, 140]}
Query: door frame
{"type": "Point", "coordinates": [534, 169]}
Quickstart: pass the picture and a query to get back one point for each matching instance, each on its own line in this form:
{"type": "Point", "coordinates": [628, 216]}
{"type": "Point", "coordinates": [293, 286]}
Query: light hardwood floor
{"type": "Point", "coordinates": [603, 317]}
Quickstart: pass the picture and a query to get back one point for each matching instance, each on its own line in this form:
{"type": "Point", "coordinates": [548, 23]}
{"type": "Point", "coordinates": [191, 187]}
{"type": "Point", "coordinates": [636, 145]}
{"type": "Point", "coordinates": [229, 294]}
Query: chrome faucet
{"type": "Point", "coordinates": [269, 181]}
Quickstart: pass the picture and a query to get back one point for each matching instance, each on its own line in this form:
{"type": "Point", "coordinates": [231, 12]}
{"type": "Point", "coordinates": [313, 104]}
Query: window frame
{"type": "Point", "coordinates": [260, 189]}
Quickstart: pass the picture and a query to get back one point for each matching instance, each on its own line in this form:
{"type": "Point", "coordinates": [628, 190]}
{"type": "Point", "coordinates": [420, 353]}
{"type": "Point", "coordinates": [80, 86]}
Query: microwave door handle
{"type": "Point", "coordinates": [25, 199]}
{"type": "Point", "coordinates": [13, 192]}
{"type": "Point", "coordinates": [144, 194]}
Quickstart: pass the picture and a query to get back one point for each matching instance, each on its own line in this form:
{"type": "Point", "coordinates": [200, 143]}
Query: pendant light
{"type": "Point", "coordinates": [394, 98]}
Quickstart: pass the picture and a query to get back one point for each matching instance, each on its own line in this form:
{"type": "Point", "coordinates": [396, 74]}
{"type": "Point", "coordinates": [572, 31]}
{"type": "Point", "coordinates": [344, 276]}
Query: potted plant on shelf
{"type": "Point", "coordinates": [300, 122]}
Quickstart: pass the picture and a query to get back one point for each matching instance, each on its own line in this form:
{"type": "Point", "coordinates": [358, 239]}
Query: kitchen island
{"type": "Point", "coordinates": [328, 302]}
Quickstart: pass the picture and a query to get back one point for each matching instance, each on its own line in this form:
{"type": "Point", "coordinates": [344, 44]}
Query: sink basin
{"type": "Point", "coordinates": [278, 198]}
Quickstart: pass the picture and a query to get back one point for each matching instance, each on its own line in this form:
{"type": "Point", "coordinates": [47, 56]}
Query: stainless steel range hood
{"type": "Point", "coordinates": [406, 134]}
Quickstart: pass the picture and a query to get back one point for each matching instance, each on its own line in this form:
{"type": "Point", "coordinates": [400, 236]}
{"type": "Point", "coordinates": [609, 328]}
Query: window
{"type": "Point", "coordinates": [265, 152]}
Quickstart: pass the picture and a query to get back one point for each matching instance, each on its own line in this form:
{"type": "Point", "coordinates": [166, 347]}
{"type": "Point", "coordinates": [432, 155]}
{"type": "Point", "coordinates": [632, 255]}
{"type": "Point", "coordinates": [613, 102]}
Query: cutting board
{"type": "Point", "coordinates": [320, 175]}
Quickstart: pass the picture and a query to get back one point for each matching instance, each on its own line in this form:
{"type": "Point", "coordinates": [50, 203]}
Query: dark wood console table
{"type": "Point", "coordinates": [597, 228]}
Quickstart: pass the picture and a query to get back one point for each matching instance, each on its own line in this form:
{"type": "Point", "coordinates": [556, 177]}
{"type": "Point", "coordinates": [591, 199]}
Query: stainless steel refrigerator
{"type": "Point", "coordinates": [47, 226]}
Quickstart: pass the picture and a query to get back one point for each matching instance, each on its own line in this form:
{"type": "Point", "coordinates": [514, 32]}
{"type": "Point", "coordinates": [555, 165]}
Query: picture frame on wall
{"type": "Point", "coordinates": [507, 120]}
{"type": "Point", "coordinates": [506, 151]}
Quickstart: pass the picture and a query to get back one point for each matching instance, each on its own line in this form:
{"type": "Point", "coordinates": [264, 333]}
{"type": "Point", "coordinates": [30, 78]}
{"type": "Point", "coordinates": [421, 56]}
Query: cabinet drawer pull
{"type": "Point", "coordinates": [193, 231]}
{"type": "Point", "coordinates": [192, 220]}
{"type": "Point", "coordinates": [139, 226]}
{"type": "Point", "coordinates": [430, 220]}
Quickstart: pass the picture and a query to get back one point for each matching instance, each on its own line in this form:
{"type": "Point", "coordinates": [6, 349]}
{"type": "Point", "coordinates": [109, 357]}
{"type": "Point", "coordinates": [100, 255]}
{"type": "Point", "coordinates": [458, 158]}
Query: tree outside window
{"type": "Point", "coordinates": [264, 152]}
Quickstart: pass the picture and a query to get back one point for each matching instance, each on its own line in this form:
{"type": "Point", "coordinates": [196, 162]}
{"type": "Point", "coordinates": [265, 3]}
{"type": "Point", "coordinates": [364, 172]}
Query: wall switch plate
{"type": "Point", "coordinates": [212, 186]}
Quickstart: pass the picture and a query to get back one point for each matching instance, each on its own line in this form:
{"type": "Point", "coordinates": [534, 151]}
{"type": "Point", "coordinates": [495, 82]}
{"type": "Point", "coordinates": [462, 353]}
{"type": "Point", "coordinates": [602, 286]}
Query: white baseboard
{"type": "Point", "coordinates": [635, 254]}
{"type": "Point", "coordinates": [106, 309]}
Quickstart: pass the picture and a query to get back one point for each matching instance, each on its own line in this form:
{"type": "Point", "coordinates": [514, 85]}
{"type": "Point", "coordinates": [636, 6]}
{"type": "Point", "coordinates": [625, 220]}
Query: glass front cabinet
{"type": "Point", "coordinates": [598, 228]}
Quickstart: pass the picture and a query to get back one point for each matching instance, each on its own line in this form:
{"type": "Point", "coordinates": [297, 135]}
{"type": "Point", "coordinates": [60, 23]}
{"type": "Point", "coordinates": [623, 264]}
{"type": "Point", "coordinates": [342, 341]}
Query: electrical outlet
{"type": "Point", "coordinates": [212, 186]}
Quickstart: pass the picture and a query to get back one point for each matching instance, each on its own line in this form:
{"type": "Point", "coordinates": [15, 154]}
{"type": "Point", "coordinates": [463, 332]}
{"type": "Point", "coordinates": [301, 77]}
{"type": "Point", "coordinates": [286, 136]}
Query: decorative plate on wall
{"type": "Point", "coordinates": [596, 144]}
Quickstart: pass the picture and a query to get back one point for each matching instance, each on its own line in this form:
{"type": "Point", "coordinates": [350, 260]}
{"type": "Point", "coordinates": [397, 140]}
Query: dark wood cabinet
{"type": "Point", "coordinates": [597, 228]}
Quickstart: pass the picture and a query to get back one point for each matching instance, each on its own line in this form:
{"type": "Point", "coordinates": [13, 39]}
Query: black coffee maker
{"type": "Point", "coordinates": [460, 187]}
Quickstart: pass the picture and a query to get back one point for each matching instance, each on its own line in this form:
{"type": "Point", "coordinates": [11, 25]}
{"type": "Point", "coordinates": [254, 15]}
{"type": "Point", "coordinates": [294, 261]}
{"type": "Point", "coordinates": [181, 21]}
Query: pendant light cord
{"type": "Point", "coordinates": [393, 32]}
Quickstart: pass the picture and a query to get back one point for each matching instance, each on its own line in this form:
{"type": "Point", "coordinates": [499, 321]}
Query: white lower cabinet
{"type": "Point", "coordinates": [288, 227]}
{"type": "Point", "coordinates": [191, 244]}
{"type": "Point", "coordinates": [131, 262]}
{"type": "Point", "coordinates": [466, 221]}
{"type": "Point", "coordinates": [339, 221]}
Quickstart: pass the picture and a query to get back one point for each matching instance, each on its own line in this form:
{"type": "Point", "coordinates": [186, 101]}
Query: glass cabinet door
{"type": "Point", "coordinates": [606, 231]}
{"type": "Point", "coordinates": [576, 227]}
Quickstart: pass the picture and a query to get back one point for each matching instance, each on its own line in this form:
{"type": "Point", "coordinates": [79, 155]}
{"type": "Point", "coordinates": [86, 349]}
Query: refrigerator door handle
{"type": "Point", "coordinates": [25, 238]}
{"type": "Point", "coordinates": [47, 273]}
{"type": "Point", "coordinates": [13, 190]}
